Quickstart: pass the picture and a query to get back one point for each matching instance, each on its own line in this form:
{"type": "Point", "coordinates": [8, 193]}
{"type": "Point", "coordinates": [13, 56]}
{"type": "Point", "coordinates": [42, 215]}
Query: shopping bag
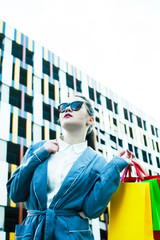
{"type": "Point", "coordinates": [155, 203]}
{"type": "Point", "coordinates": [130, 209]}
{"type": "Point", "coordinates": [130, 213]}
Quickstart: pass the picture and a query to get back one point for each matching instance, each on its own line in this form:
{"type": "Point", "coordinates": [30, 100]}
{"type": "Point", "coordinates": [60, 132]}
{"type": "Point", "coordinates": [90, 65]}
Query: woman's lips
{"type": "Point", "coordinates": [67, 115]}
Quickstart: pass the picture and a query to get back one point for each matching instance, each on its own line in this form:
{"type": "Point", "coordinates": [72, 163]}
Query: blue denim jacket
{"type": "Point", "coordinates": [87, 188]}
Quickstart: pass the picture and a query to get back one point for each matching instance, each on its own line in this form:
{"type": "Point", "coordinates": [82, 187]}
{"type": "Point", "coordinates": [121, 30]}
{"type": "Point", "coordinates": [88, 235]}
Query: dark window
{"type": "Point", "coordinates": [97, 119]}
{"type": "Point", "coordinates": [69, 81]}
{"type": "Point", "coordinates": [120, 142]}
{"type": "Point", "coordinates": [144, 124]}
{"type": "Point", "coordinates": [131, 132]}
{"type": "Point", "coordinates": [153, 145]}
{"type": "Point", "coordinates": [98, 97]}
{"type": "Point", "coordinates": [28, 107]}
{"type": "Point", "coordinates": [109, 104]}
{"type": "Point", "coordinates": [131, 116]}
{"type": "Point", "coordinates": [42, 132]}
{"type": "Point", "coordinates": [1, 59]}
{"type": "Point", "coordinates": [17, 50]}
{"type": "Point", "coordinates": [144, 154]}
{"type": "Point", "coordinates": [115, 121]}
{"type": "Point", "coordinates": [91, 93]}
{"type": "Point", "coordinates": [78, 86]}
{"type": "Point", "coordinates": [145, 140]}
{"type": "Point", "coordinates": [130, 147]}
{"type": "Point", "coordinates": [116, 108]}
{"type": "Point", "coordinates": [23, 76]}
{"type": "Point", "coordinates": [136, 152]}
{"type": "Point", "coordinates": [157, 145]}
{"type": "Point", "coordinates": [125, 113]}
{"type": "Point", "coordinates": [46, 67]}
{"type": "Point", "coordinates": [56, 116]}
{"type": "Point", "coordinates": [11, 218]}
{"type": "Point", "coordinates": [100, 150]}
{"type": "Point", "coordinates": [22, 127]}
{"type": "Point", "coordinates": [157, 132]}
{"type": "Point", "coordinates": [52, 134]}
{"type": "Point", "coordinates": [150, 158]}
{"type": "Point", "coordinates": [15, 97]}
{"type": "Point", "coordinates": [13, 153]}
{"type": "Point", "coordinates": [29, 57]}
{"type": "Point", "coordinates": [152, 130]}
{"type": "Point", "coordinates": [42, 86]}
{"type": "Point", "coordinates": [1, 41]}
{"type": "Point", "coordinates": [51, 91]}
{"type": "Point", "coordinates": [102, 142]}
{"type": "Point", "coordinates": [125, 128]}
{"type": "Point", "coordinates": [46, 112]}
{"type": "Point", "coordinates": [112, 138]}
{"type": "Point", "coordinates": [55, 72]}
{"type": "Point", "coordinates": [139, 121]}
{"type": "Point", "coordinates": [150, 172]}
{"type": "Point", "coordinates": [158, 162]}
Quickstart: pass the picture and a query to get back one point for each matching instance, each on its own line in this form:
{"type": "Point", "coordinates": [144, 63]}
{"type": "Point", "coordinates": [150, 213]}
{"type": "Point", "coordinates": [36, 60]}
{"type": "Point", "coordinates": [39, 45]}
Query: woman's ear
{"type": "Point", "coordinates": [90, 121]}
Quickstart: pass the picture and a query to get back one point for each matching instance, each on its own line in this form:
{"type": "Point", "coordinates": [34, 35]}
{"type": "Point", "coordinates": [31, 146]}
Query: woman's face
{"type": "Point", "coordinates": [75, 120]}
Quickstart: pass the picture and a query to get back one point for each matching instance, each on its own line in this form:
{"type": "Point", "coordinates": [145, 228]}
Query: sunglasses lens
{"type": "Point", "coordinates": [62, 107]}
{"type": "Point", "coordinates": [76, 105]}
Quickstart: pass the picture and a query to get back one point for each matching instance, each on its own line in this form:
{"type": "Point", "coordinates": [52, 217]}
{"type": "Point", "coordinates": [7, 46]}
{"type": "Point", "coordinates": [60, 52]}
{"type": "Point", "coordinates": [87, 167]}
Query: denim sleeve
{"type": "Point", "coordinates": [19, 184]}
{"type": "Point", "coordinates": [107, 183]}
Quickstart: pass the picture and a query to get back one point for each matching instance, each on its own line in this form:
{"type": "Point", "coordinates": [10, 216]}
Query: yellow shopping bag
{"type": "Point", "coordinates": [130, 212]}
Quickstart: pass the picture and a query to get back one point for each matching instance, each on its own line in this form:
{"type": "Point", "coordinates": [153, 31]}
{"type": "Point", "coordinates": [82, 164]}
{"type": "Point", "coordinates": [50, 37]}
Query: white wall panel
{"type": "Point", "coordinates": [85, 91]}
{"type": "Point", "coordinates": [38, 60]}
{"type": "Point", "coordinates": [37, 133]}
{"type": "Point", "coordinates": [4, 121]}
{"type": "Point", "coordinates": [2, 235]}
{"type": "Point", "coordinates": [7, 66]}
{"type": "Point", "coordinates": [62, 77]}
{"type": "Point", "coordinates": [3, 181]}
{"type": "Point", "coordinates": [63, 65]}
{"type": "Point", "coordinates": [7, 45]}
{"type": "Point", "coordinates": [2, 215]}
{"type": "Point", "coordinates": [37, 84]}
{"type": "Point", "coordinates": [9, 32]}
{"type": "Point", "coordinates": [3, 150]}
{"type": "Point", "coordinates": [5, 93]}
{"type": "Point", "coordinates": [37, 108]}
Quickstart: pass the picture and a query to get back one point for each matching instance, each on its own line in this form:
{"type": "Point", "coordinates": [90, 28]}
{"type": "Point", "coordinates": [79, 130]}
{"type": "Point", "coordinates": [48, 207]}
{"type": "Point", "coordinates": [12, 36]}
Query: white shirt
{"type": "Point", "coordinates": [59, 165]}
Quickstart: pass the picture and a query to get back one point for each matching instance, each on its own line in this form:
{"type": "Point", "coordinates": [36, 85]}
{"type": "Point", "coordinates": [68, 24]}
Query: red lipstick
{"type": "Point", "coordinates": [67, 115]}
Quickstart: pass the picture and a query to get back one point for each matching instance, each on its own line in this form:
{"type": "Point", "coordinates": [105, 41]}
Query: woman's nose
{"type": "Point", "coordinates": [68, 109]}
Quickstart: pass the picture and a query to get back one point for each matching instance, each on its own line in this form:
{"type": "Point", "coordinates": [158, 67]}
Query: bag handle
{"type": "Point", "coordinates": [138, 169]}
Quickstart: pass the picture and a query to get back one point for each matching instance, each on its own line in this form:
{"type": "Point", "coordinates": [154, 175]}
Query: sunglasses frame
{"type": "Point", "coordinates": [71, 106]}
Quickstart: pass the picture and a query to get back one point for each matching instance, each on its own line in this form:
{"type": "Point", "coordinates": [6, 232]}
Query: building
{"type": "Point", "coordinates": [33, 81]}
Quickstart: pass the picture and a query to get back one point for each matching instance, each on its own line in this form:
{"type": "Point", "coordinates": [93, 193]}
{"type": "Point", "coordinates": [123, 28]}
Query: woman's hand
{"type": "Point", "coordinates": [51, 146]}
{"type": "Point", "coordinates": [127, 156]}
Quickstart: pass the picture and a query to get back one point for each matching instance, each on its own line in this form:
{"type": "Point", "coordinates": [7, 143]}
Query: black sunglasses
{"type": "Point", "coordinates": [75, 106]}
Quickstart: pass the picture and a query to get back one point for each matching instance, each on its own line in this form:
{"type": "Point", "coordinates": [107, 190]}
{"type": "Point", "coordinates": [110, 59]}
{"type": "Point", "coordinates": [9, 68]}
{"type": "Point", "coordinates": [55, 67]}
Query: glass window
{"type": "Point", "coordinates": [152, 130]}
{"type": "Point", "coordinates": [139, 122]}
{"type": "Point", "coordinates": [17, 50]}
{"type": "Point", "coordinates": [51, 91]}
{"type": "Point", "coordinates": [158, 162]}
{"type": "Point", "coordinates": [125, 113]}
{"type": "Point", "coordinates": [46, 67]}
{"type": "Point", "coordinates": [144, 154]}
{"type": "Point", "coordinates": [69, 81]}
{"type": "Point", "coordinates": [22, 127]}
{"type": "Point", "coordinates": [136, 152]}
{"type": "Point", "coordinates": [109, 104]}
{"type": "Point", "coordinates": [23, 76]}
{"type": "Point", "coordinates": [29, 57]}
{"type": "Point", "coordinates": [13, 155]}
{"type": "Point", "coordinates": [46, 112]}
{"type": "Point", "coordinates": [28, 107]}
{"type": "Point", "coordinates": [15, 97]}
{"type": "Point", "coordinates": [1, 41]}
{"type": "Point", "coordinates": [55, 72]}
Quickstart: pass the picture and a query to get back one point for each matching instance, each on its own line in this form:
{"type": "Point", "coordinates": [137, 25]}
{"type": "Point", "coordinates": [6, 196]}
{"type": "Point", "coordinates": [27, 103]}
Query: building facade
{"type": "Point", "coordinates": [33, 81]}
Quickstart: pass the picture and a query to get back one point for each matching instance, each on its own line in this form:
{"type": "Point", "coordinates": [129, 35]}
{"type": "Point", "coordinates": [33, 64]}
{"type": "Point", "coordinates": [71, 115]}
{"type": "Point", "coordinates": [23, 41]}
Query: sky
{"type": "Point", "coordinates": [116, 42]}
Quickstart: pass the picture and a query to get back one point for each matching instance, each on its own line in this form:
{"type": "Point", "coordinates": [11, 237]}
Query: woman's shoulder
{"type": "Point", "coordinates": [99, 160]}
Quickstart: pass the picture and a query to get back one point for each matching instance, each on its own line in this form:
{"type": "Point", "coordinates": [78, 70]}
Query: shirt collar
{"type": "Point", "coordinates": [78, 148]}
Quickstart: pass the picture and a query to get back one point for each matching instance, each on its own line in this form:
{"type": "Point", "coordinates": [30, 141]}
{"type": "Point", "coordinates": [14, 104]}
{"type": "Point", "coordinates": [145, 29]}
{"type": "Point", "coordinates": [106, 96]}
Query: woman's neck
{"type": "Point", "coordinates": [73, 138]}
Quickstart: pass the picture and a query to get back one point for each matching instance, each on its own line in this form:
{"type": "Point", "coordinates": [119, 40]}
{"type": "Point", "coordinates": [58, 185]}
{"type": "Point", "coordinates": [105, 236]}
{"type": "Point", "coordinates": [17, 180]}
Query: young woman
{"type": "Point", "coordinates": [64, 182]}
